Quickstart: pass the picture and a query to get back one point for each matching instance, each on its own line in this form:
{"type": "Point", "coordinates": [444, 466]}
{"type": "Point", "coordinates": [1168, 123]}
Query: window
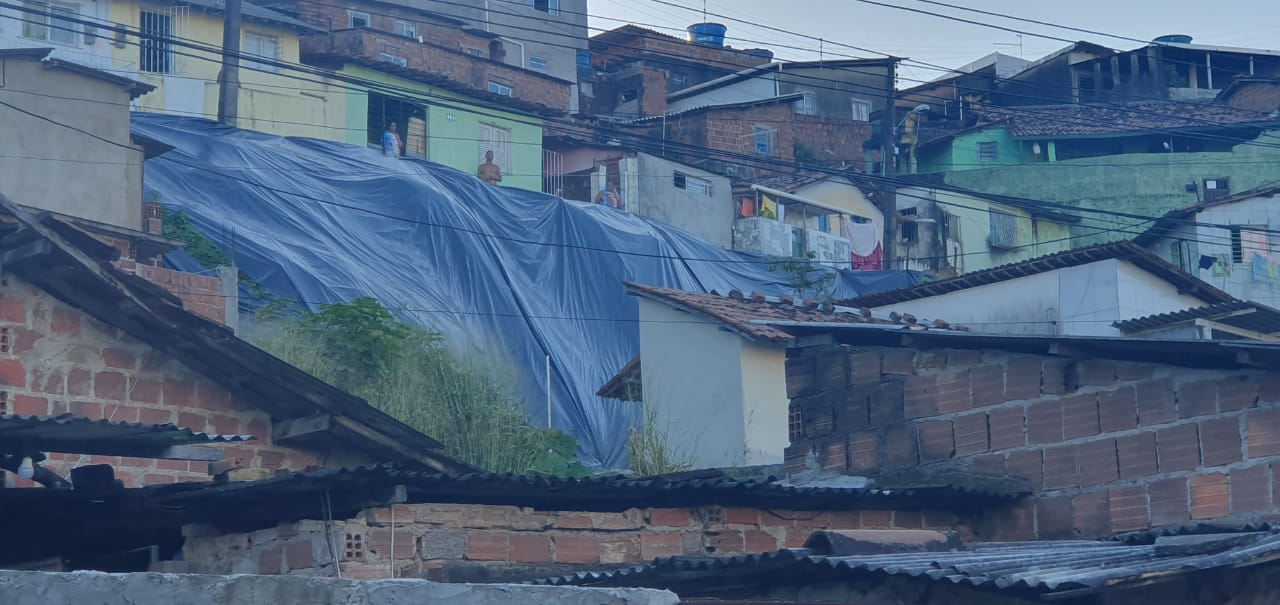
{"type": "Point", "coordinates": [538, 63]}
{"type": "Point", "coordinates": [393, 59]}
{"type": "Point", "coordinates": [546, 6]}
{"type": "Point", "coordinates": [499, 88]}
{"type": "Point", "coordinates": [795, 424]}
{"type": "Point", "coordinates": [861, 110]}
{"type": "Point", "coordinates": [988, 151]}
{"type": "Point", "coordinates": [157, 53]}
{"type": "Point", "coordinates": [57, 28]}
{"type": "Point", "coordinates": [692, 184]}
{"type": "Point", "coordinates": [357, 19]}
{"type": "Point", "coordinates": [498, 140]}
{"type": "Point", "coordinates": [807, 106]}
{"type": "Point", "coordinates": [475, 52]}
{"type": "Point", "coordinates": [1004, 229]}
{"type": "Point", "coordinates": [763, 139]}
{"type": "Point", "coordinates": [406, 29]}
{"type": "Point", "coordinates": [260, 45]}
{"type": "Point", "coordinates": [1247, 241]}
{"type": "Point", "coordinates": [678, 80]}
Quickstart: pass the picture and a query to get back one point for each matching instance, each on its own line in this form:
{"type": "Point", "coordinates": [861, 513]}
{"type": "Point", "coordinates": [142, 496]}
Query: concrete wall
{"type": "Point", "coordinates": [764, 389]}
{"type": "Point", "coordinates": [57, 360]}
{"type": "Point", "coordinates": [37, 588]}
{"type": "Point", "coordinates": [1149, 184]}
{"type": "Point", "coordinates": [693, 383]}
{"type": "Point", "coordinates": [453, 132]}
{"type": "Point", "coordinates": [39, 156]}
{"type": "Point", "coordinates": [762, 235]}
{"type": "Point", "coordinates": [961, 153]}
{"type": "Point", "coordinates": [90, 51]}
{"type": "Point", "coordinates": [472, 542]}
{"type": "Point", "coordinates": [277, 103]}
{"type": "Point", "coordinates": [1239, 279]}
{"type": "Point", "coordinates": [1108, 447]}
{"type": "Point", "coordinates": [710, 218]}
{"type": "Point", "coordinates": [1076, 301]}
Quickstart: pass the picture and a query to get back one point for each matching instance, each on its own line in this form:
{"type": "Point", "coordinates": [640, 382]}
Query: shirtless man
{"type": "Point", "coordinates": [489, 172]}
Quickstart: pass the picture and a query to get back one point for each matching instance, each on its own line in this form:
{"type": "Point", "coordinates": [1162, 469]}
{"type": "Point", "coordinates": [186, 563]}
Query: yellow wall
{"type": "Point", "coordinates": [974, 216]}
{"type": "Point", "coordinates": [277, 103]}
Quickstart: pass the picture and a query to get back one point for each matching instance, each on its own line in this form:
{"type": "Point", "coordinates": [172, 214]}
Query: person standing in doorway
{"type": "Point", "coordinates": [391, 143]}
{"type": "Point", "coordinates": [489, 172]}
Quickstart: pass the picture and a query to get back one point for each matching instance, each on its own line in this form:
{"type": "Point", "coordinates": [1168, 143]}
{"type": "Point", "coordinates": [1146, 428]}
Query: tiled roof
{"type": "Point", "coordinates": [1172, 219]}
{"type": "Point", "coordinates": [1044, 569]}
{"type": "Point", "coordinates": [1112, 119]}
{"type": "Point", "coordinates": [793, 182]}
{"type": "Point", "coordinates": [76, 435]}
{"type": "Point", "coordinates": [1122, 250]}
{"type": "Point", "coordinates": [749, 315]}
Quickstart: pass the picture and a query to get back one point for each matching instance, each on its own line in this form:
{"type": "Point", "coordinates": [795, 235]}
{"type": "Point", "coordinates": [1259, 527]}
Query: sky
{"type": "Point", "coordinates": [942, 42]}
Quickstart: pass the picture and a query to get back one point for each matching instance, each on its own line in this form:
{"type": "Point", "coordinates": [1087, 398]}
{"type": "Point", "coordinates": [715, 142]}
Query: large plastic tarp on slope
{"type": "Point", "coordinates": [511, 275]}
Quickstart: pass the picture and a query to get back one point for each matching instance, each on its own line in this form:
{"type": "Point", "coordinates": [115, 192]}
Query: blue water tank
{"type": "Point", "coordinates": [711, 34]}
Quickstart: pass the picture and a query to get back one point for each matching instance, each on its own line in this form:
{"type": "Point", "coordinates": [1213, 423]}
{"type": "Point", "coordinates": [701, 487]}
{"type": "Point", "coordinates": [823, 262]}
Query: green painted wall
{"type": "Point", "coordinates": [1149, 184]}
{"type": "Point", "coordinates": [453, 132]}
{"type": "Point", "coordinates": [962, 152]}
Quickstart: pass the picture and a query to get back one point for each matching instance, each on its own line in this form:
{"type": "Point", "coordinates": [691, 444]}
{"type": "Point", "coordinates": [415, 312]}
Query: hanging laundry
{"type": "Point", "coordinates": [768, 207]}
{"type": "Point", "coordinates": [863, 237]}
{"type": "Point", "coordinates": [747, 207]}
{"type": "Point", "coordinates": [870, 262]}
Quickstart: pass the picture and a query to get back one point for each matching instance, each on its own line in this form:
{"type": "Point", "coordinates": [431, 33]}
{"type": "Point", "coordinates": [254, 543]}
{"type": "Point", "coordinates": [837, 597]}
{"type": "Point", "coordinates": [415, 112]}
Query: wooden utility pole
{"type": "Point", "coordinates": [229, 77]}
{"type": "Point", "coordinates": [888, 191]}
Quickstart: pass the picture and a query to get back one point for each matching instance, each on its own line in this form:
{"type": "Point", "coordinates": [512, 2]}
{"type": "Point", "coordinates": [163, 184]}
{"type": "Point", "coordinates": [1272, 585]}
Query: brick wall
{"type": "Point", "coordinates": [55, 360]}
{"type": "Point", "coordinates": [830, 141]}
{"type": "Point", "coordinates": [653, 92]}
{"type": "Point", "coordinates": [438, 61]}
{"type": "Point", "coordinates": [383, 17]}
{"type": "Point", "coordinates": [606, 57]}
{"type": "Point", "coordinates": [200, 294]}
{"type": "Point", "coordinates": [1109, 447]}
{"type": "Point", "coordinates": [433, 540]}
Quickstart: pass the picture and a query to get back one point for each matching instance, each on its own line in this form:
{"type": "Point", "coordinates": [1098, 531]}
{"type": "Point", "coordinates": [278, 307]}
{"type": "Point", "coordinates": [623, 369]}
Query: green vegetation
{"type": "Point", "coordinates": [649, 449]}
{"type": "Point", "coordinates": [408, 373]}
{"type": "Point", "coordinates": [808, 278]}
{"type": "Point", "coordinates": [177, 225]}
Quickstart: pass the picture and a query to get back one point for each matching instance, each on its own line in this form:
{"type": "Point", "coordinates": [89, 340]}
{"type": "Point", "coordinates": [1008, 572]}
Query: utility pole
{"type": "Point", "coordinates": [229, 77]}
{"type": "Point", "coordinates": [888, 191]}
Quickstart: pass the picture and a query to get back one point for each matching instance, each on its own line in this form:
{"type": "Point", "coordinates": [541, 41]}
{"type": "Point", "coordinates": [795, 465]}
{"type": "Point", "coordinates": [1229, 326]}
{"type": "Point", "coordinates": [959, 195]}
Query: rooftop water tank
{"type": "Point", "coordinates": [763, 53]}
{"type": "Point", "coordinates": [711, 34]}
{"type": "Point", "coordinates": [1173, 39]}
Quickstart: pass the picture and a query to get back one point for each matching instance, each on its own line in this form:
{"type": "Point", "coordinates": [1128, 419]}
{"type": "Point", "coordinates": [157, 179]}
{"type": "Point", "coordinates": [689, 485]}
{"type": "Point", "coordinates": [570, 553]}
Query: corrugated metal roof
{"type": "Point", "coordinates": [1122, 250]}
{"type": "Point", "coordinates": [76, 435]}
{"type": "Point", "coordinates": [1079, 567]}
{"type": "Point", "coordinates": [1240, 314]}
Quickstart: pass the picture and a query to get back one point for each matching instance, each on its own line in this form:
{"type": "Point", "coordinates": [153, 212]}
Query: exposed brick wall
{"type": "Point", "coordinates": [382, 17]}
{"type": "Point", "coordinates": [200, 294]}
{"type": "Point", "coordinates": [607, 56]}
{"type": "Point", "coordinates": [1108, 447]}
{"type": "Point", "coordinates": [653, 92]}
{"type": "Point", "coordinates": [55, 360]}
{"type": "Point", "coordinates": [431, 537]}
{"type": "Point", "coordinates": [439, 61]}
{"type": "Point", "coordinates": [732, 130]}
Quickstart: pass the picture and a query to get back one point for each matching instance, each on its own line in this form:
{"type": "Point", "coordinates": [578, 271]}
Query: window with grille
{"type": "Point", "coordinates": [538, 63]}
{"type": "Point", "coordinates": [393, 59]}
{"type": "Point", "coordinates": [260, 45]}
{"type": "Point", "coordinates": [475, 52]}
{"type": "Point", "coordinates": [861, 110]}
{"type": "Point", "coordinates": [406, 29]}
{"type": "Point", "coordinates": [692, 184]}
{"type": "Point", "coordinates": [156, 31]}
{"type": "Point", "coordinates": [988, 151]}
{"type": "Point", "coordinates": [795, 425]}
{"type": "Point", "coordinates": [58, 28]}
{"type": "Point", "coordinates": [357, 19]}
{"type": "Point", "coordinates": [498, 88]}
{"type": "Point", "coordinates": [547, 6]}
{"type": "Point", "coordinates": [498, 140]}
{"type": "Point", "coordinates": [1004, 229]}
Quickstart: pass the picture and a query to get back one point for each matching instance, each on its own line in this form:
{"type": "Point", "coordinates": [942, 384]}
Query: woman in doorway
{"type": "Point", "coordinates": [391, 143]}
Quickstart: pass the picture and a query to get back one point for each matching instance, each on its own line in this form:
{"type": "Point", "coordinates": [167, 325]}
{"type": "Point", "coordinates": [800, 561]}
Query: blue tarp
{"type": "Point", "coordinates": [510, 276]}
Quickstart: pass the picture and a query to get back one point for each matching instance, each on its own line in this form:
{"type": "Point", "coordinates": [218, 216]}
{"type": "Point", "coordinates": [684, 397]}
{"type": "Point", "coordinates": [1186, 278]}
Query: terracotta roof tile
{"type": "Point", "coordinates": [744, 314]}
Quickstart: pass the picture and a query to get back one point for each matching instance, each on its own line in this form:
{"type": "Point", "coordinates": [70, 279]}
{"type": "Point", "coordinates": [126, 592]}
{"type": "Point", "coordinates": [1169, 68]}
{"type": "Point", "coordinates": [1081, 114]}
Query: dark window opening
{"type": "Point", "coordinates": [156, 30]}
{"type": "Point", "coordinates": [410, 120]}
{"type": "Point", "coordinates": [908, 231]}
{"type": "Point", "coordinates": [1237, 246]}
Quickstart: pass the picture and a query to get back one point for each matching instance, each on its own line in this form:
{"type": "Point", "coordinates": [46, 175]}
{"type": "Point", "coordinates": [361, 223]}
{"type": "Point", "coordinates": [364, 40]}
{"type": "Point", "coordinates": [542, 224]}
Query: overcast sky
{"type": "Point", "coordinates": [929, 39]}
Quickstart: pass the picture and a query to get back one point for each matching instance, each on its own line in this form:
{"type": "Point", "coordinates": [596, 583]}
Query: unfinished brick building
{"type": "Point", "coordinates": [1113, 435]}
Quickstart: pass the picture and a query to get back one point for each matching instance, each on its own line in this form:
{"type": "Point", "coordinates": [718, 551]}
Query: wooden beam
{"type": "Point", "coordinates": [297, 428]}
{"type": "Point", "coordinates": [190, 452]}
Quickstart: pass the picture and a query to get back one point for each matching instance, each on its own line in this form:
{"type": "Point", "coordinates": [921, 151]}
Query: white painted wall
{"type": "Point", "coordinates": [1238, 279]}
{"type": "Point", "coordinates": [765, 403]}
{"type": "Point", "coordinates": [692, 379]}
{"type": "Point", "coordinates": [1076, 301]}
{"type": "Point", "coordinates": [85, 49]}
